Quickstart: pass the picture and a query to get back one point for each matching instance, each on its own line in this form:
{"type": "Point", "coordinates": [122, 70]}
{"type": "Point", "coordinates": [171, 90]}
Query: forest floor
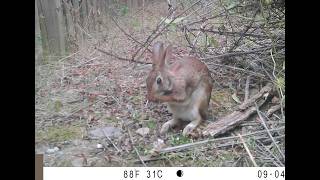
{"type": "Point", "coordinates": [91, 109]}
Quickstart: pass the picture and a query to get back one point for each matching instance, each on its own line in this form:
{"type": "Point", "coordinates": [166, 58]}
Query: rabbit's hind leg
{"type": "Point", "coordinates": [199, 110]}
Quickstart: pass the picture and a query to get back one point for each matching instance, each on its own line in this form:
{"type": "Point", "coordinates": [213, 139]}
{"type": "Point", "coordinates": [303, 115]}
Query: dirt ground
{"type": "Point", "coordinates": [91, 109]}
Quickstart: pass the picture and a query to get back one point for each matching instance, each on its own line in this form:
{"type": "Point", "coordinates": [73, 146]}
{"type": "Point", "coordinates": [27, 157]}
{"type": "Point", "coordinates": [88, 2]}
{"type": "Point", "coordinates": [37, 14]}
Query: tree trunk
{"type": "Point", "coordinates": [38, 41]}
{"type": "Point", "coordinates": [50, 25]}
{"type": "Point", "coordinates": [79, 33]}
{"type": "Point", "coordinates": [61, 27]}
{"type": "Point", "coordinates": [142, 16]}
{"type": "Point", "coordinates": [94, 15]}
{"type": "Point", "coordinates": [70, 25]}
{"type": "Point", "coordinates": [54, 25]}
{"type": "Point", "coordinates": [43, 28]}
{"type": "Point", "coordinates": [84, 11]}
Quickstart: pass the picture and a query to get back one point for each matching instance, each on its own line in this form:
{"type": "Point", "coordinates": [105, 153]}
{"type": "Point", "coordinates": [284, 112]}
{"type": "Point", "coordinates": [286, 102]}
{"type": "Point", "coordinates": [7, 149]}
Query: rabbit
{"type": "Point", "coordinates": [184, 85]}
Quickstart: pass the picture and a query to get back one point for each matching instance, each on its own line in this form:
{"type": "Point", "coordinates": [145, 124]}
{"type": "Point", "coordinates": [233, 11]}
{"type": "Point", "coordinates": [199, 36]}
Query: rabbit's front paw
{"type": "Point", "coordinates": [188, 129]}
{"type": "Point", "coordinates": [165, 127]}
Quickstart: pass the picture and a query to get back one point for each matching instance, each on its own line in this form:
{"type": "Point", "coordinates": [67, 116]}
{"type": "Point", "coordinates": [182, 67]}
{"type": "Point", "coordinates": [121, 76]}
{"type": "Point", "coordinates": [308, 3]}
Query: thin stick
{"type": "Point", "coordinates": [248, 151]}
{"type": "Point", "coordinates": [230, 54]}
{"type": "Point", "coordinates": [197, 36]}
{"type": "Point", "coordinates": [244, 32]}
{"type": "Point", "coordinates": [78, 25]}
{"type": "Point", "coordinates": [236, 68]}
{"type": "Point", "coordinates": [127, 34]}
{"type": "Point", "coordinates": [84, 107]}
{"type": "Point", "coordinates": [135, 149]}
{"type": "Point", "coordinates": [190, 145]}
{"type": "Point", "coordinates": [246, 91]}
{"type": "Point", "coordinates": [230, 33]}
{"type": "Point", "coordinates": [276, 158]}
{"type": "Point", "coordinates": [121, 58]}
{"type": "Point", "coordinates": [60, 60]}
{"type": "Point", "coordinates": [273, 109]}
{"type": "Point", "coordinates": [147, 43]}
{"type": "Point", "coordinates": [268, 131]}
{"type": "Point", "coordinates": [111, 141]}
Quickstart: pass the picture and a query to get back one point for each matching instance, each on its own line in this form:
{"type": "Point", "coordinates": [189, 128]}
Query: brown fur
{"type": "Point", "coordinates": [185, 85]}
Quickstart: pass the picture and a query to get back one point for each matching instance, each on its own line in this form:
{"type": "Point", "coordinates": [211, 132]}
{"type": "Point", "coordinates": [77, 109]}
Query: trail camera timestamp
{"type": "Point", "coordinates": [269, 174]}
{"type": "Point", "coordinates": [136, 174]}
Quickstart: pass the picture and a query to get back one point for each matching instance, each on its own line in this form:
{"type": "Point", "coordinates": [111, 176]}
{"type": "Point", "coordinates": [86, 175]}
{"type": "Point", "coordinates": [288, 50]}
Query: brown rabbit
{"type": "Point", "coordinates": [184, 85]}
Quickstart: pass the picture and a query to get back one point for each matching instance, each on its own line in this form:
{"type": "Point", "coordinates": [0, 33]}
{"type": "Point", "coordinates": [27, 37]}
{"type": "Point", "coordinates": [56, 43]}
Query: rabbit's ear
{"type": "Point", "coordinates": [168, 54]}
{"type": "Point", "coordinates": [158, 54]}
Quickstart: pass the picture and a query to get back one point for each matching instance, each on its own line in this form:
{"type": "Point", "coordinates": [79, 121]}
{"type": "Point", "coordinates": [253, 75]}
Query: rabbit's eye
{"type": "Point", "coordinates": [158, 80]}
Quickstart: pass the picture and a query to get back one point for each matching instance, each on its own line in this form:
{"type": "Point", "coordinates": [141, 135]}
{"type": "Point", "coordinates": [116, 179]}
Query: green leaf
{"type": "Point", "coordinates": [151, 124]}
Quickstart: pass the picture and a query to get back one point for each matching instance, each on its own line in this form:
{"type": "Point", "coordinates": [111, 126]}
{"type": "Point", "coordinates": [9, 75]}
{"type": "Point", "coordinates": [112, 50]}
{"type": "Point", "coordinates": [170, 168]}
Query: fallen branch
{"type": "Point", "coordinates": [264, 91]}
{"type": "Point", "coordinates": [273, 109]}
{"type": "Point", "coordinates": [232, 120]}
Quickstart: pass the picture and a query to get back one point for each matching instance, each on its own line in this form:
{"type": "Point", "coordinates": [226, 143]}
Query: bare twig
{"type": "Point", "coordinates": [60, 60]}
{"type": "Point", "coordinates": [273, 109]}
{"type": "Point", "coordinates": [230, 33]}
{"type": "Point", "coordinates": [230, 54]}
{"type": "Point", "coordinates": [148, 42]}
{"type": "Point", "coordinates": [246, 90]}
{"type": "Point", "coordinates": [267, 149]}
{"type": "Point", "coordinates": [212, 17]}
{"type": "Point", "coordinates": [265, 90]}
{"type": "Point", "coordinates": [236, 68]}
{"type": "Point", "coordinates": [248, 151]}
{"type": "Point", "coordinates": [110, 141]}
{"type": "Point", "coordinates": [197, 144]}
{"type": "Point", "coordinates": [82, 108]}
{"type": "Point", "coordinates": [122, 30]}
{"type": "Point", "coordinates": [79, 26]}
{"type": "Point", "coordinates": [149, 37]}
{"type": "Point", "coordinates": [121, 58]}
{"type": "Point", "coordinates": [265, 126]}
{"type": "Point", "coordinates": [149, 159]}
{"type": "Point", "coordinates": [135, 149]}
{"type": "Point", "coordinates": [244, 32]}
